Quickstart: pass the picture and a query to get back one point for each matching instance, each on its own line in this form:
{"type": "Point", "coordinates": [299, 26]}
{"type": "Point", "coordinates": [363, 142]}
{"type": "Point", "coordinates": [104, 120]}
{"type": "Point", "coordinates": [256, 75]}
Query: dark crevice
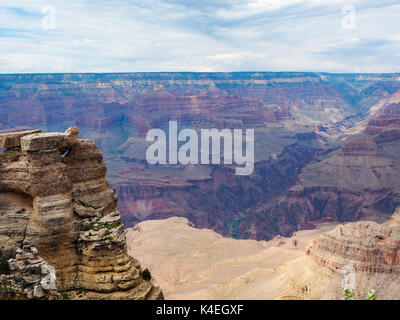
{"type": "Point", "coordinates": [65, 154]}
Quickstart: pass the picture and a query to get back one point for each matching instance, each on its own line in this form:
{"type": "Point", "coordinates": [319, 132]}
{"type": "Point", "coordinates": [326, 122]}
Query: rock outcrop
{"type": "Point", "coordinates": [54, 197]}
{"type": "Point", "coordinates": [30, 276]}
{"type": "Point", "coordinates": [367, 246]}
{"type": "Point", "coordinates": [12, 140]}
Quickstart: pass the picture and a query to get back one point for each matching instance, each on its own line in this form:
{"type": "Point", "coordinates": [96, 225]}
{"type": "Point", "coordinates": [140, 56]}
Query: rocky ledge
{"type": "Point", "coordinates": [367, 246]}
{"type": "Point", "coordinates": [59, 229]}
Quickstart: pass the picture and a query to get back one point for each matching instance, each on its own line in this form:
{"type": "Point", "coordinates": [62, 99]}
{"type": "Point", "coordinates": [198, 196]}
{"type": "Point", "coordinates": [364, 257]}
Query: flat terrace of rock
{"type": "Point", "coordinates": [35, 140]}
{"type": "Point", "coordinates": [13, 139]}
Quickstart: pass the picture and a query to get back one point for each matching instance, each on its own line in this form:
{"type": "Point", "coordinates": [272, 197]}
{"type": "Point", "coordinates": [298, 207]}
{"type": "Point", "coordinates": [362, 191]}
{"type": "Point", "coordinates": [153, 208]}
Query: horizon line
{"type": "Point", "coordinates": [200, 72]}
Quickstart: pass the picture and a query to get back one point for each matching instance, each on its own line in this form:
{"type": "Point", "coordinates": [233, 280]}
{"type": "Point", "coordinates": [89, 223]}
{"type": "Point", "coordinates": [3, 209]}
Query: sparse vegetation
{"type": "Point", "coordinates": [4, 266]}
{"type": "Point", "coordinates": [6, 291]}
{"type": "Point", "coordinates": [234, 228]}
{"type": "Point", "coordinates": [111, 225]}
{"type": "Point", "coordinates": [371, 294]}
{"type": "Point", "coordinates": [86, 227]}
{"type": "Point", "coordinates": [146, 275]}
{"type": "Point", "coordinates": [88, 205]}
{"type": "Point", "coordinates": [348, 294]}
{"type": "Point", "coordinates": [37, 270]}
{"type": "Point", "coordinates": [63, 291]}
{"type": "Point", "coordinates": [96, 225]}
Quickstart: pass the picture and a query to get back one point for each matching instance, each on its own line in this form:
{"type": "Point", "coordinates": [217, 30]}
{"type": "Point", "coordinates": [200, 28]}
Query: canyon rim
{"type": "Point", "coordinates": [199, 150]}
{"type": "Point", "coordinates": [320, 156]}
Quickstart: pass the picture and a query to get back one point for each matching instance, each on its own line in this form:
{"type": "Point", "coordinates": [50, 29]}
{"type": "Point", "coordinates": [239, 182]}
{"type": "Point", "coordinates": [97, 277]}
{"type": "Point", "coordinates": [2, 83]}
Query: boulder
{"type": "Point", "coordinates": [31, 277]}
{"type": "Point", "coordinates": [45, 141]}
{"type": "Point", "coordinates": [72, 133]}
{"type": "Point", "coordinates": [13, 139]}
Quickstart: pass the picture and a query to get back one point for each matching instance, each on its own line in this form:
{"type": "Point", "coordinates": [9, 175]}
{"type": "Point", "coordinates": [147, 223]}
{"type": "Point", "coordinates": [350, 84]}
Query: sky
{"type": "Point", "coordinates": [199, 35]}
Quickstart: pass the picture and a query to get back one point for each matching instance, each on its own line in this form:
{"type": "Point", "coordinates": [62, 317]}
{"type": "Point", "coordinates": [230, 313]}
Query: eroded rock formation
{"type": "Point", "coordinates": [29, 276]}
{"type": "Point", "coordinates": [294, 115]}
{"type": "Point", "coordinates": [366, 245]}
{"type": "Point", "coordinates": [54, 197]}
{"type": "Point", "coordinates": [363, 174]}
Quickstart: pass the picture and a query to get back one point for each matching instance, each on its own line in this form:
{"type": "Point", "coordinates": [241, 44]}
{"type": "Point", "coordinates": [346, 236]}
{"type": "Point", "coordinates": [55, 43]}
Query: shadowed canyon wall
{"type": "Point", "coordinates": [307, 167]}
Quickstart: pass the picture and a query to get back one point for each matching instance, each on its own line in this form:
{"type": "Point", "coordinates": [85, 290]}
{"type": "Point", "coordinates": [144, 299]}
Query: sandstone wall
{"type": "Point", "coordinates": [54, 197]}
{"type": "Point", "coordinates": [367, 246]}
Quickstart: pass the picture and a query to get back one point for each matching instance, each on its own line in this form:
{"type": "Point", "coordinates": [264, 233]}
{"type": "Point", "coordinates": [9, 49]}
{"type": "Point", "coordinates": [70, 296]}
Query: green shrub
{"type": "Point", "coordinates": [4, 266]}
{"type": "Point", "coordinates": [62, 290]}
{"type": "Point", "coordinates": [6, 291]}
{"type": "Point", "coordinates": [37, 270]}
{"type": "Point", "coordinates": [88, 205]}
{"type": "Point", "coordinates": [146, 275]}
{"type": "Point", "coordinates": [348, 294]}
{"type": "Point", "coordinates": [85, 227]}
{"type": "Point", "coordinates": [371, 295]}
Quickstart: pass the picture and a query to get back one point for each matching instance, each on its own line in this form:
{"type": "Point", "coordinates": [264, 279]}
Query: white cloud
{"type": "Point", "coordinates": [202, 35]}
{"type": "Point", "coordinates": [243, 9]}
{"type": "Point", "coordinates": [21, 62]}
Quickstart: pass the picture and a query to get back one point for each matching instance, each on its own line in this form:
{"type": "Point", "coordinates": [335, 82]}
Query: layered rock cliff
{"type": "Point", "coordinates": [219, 191]}
{"type": "Point", "coordinates": [366, 245]}
{"type": "Point", "coordinates": [364, 173]}
{"type": "Point", "coordinates": [276, 269]}
{"type": "Point", "coordinates": [56, 206]}
{"type": "Point", "coordinates": [294, 115]}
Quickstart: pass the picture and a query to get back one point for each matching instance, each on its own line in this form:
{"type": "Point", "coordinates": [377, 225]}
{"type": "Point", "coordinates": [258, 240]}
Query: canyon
{"type": "Point", "coordinates": [191, 263]}
{"type": "Point", "coordinates": [326, 145]}
{"type": "Point", "coordinates": [322, 196]}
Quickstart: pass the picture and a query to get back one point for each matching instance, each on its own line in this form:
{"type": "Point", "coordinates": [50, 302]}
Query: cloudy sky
{"type": "Point", "coordinates": [199, 35]}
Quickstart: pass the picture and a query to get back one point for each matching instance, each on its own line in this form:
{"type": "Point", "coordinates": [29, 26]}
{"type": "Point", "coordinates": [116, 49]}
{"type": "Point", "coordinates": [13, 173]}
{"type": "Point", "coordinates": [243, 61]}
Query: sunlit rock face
{"type": "Point", "coordinates": [311, 264]}
{"type": "Point", "coordinates": [367, 246]}
{"type": "Point", "coordinates": [55, 199]}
